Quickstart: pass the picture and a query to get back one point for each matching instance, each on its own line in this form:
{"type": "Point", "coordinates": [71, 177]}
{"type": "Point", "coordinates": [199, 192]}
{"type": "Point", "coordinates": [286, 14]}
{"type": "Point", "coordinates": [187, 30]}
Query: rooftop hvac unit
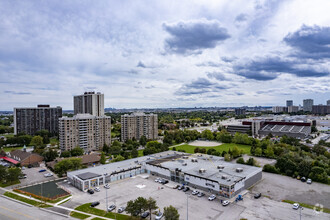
{"type": "Point", "coordinates": [193, 159]}
{"type": "Point", "coordinates": [224, 177]}
{"type": "Point", "coordinates": [184, 164]}
{"type": "Point", "coordinates": [221, 167]}
{"type": "Point", "coordinates": [238, 170]}
{"type": "Point", "coordinates": [201, 170]}
{"type": "Point", "coordinates": [185, 157]}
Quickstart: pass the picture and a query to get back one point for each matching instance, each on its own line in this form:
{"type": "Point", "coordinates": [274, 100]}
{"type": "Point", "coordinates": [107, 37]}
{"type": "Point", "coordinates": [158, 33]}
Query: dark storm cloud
{"type": "Point", "coordinates": [270, 68]}
{"type": "Point", "coordinates": [140, 64]}
{"type": "Point", "coordinates": [216, 75]}
{"type": "Point", "coordinates": [199, 86]}
{"type": "Point", "coordinates": [308, 58]}
{"type": "Point", "coordinates": [194, 36]}
{"type": "Point", "coordinates": [310, 41]}
{"type": "Point", "coordinates": [241, 17]}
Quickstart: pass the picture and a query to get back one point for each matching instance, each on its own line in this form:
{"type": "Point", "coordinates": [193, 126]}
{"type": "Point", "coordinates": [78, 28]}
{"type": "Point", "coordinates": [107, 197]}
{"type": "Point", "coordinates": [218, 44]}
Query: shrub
{"type": "Point", "coordinates": [270, 169]}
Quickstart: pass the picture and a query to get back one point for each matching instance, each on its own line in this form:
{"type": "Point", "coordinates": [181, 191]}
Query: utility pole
{"type": "Point", "coordinates": [106, 198]}
{"type": "Point", "coordinates": [187, 206]}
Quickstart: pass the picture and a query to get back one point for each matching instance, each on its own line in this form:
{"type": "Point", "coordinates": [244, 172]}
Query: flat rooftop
{"type": "Point", "coordinates": [227, 175]}
{"type": "Point", "coordinates": [125, 164]}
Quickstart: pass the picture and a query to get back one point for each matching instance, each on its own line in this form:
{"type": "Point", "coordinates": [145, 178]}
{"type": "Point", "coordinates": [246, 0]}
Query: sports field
{"type": "Point", "coordinates": [223, 147]}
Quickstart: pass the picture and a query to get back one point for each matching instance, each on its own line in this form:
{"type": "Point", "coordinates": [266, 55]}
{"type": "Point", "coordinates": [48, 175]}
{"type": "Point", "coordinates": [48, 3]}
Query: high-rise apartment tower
{"type": "Point", "coordinates": [31, 120]}
{"type": "Point", "coordinates": [89, 103]}
{"type": "Point", "coordinates": [87, 131]}
{"type": "Point", "coordinates": [139, 124]}
{"type": "Point", "coordinates": [308, 105]}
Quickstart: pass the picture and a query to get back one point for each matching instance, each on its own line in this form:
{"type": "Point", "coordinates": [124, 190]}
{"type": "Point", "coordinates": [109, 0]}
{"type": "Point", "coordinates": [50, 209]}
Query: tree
{"type": "Point", "coordinates": [171, 213]}
{"type": "Point", "coordinates": [270, 169]}
{"type": "Point", "coordinates": [207, 134]}
{"type": "Point", "coordinates": [115, 149]}
{"type": "Point", "coordinates": [235, 152]}
{"type": "Point", "coordinates": [13, 174]}
{"type": "Point", "coordinates": [3, 173]}
{"type": "Point", "coordinates": [118, 158]}
{"type": "Point", "coordinates": [251, 161]}
{"type": "Point", "coordinates": [67, 164]}
{"type": "Point", "coordinates": [77, 151]}
{"type": "Point", "coordinates": [227, 157]}
{"type": "Point", "coordinates": [50, 155]}
{"type": "Point", "coordinates": [151, 205]}
{"type": "Point", "coordinates": [134, 153]}
{"type": "Point", "coordinates": [102, 160]}
{"type": "Point", "coordinates": [196, 150]}
{"type": "Point", "coordinates": [131, 208]}
{"type": "Point", "coordinates": [143, 140]}
{"type": "Point", "coordinates": [66, 154]}
{"type": "Point", "coordinates": [106, 148]}
{"type": "Point", "coordinates": [37, 141]}
{"type": "Point", "coordinates": [240, 160]}
{"type": "Point", "coordinates": [258, 151]}
{"type": "Point", "coordinates": [269, 152]}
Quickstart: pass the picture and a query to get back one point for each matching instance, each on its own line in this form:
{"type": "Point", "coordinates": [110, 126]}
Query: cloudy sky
{"type": "Point", "coordinates": [164, 53]}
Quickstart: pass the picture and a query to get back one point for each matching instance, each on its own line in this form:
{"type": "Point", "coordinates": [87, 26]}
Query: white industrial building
{"type": "Point", "coordinates": [206, 172]}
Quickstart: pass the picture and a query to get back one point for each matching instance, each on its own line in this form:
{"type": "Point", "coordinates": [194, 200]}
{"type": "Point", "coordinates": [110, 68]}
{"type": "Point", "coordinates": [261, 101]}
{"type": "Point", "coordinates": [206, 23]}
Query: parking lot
{"type": "Point", "coordinates": [33, 176]}
{"type": "Point", "coordinates": [198, 208]}
{"type": "Point", "coordinates": [280, 187]}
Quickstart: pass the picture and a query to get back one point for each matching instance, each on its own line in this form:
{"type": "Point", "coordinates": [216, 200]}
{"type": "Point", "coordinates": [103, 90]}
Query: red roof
{"type": "Point", "coordinates": [10, 160]}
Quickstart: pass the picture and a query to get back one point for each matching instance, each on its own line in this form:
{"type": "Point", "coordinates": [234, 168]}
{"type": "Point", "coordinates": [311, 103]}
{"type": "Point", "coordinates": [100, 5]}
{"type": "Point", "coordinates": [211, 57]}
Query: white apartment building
{"type": "Point", "coordinates": [139, 124]}
{"type": "Point", "coordinates": [84, 130]}
{"type": "Point", "coordinates": [89, 103]}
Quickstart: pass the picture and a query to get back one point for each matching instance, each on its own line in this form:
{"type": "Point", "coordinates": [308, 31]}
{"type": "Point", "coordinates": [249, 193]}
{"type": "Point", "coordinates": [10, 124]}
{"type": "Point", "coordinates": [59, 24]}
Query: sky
{"type": "Point", "coordinates": [161, 54]}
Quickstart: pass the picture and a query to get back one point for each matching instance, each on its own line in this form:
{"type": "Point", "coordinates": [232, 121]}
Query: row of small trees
{"type": "Point", "coordinates": [140, 205]}
{"type": "Point", "coordinates": [9, 175]}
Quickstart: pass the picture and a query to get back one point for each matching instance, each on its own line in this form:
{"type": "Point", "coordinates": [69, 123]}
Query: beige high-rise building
{"type": "Point", "coordinates": [139, 124]}
{"type": "Point", "coordinates": [86, 131]}
{"type": "Point", "coordinates": [89, 103]}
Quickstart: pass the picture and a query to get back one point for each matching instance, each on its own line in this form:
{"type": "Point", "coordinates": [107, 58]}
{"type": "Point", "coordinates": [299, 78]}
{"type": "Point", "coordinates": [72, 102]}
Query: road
{"type": "Point", "coordinates": [10, 210]}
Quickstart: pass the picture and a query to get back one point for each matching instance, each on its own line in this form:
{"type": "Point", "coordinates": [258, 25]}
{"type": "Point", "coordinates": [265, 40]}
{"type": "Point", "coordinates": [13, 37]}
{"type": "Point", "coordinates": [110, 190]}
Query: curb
{"type": "Point", "coordinates": [14, 200]}
{"type": "Point", "coordinates": [53, 212]}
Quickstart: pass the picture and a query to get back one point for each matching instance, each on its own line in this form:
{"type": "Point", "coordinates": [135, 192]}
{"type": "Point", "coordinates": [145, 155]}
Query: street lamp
{"type": "Point", "coordinates": [301, 208]}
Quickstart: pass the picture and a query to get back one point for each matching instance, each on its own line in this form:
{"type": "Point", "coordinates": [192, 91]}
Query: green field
{"type": "Point", "coordinates": [8, 149]}
{"type": "Point", "coordinates": [223, 147]}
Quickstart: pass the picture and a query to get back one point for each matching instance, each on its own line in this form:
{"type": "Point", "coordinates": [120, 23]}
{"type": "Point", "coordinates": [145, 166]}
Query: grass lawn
{"type": "Point", "coordinates": [26, 200]}
{"type": "Point", "coordinates": [326, 210]}
{"type": "Point", "coordinates": [223, 147]}
{"type": "Point", "coordinates": [8, 149]}
{"type": "Point", "coordinates": [8, 135]}
{"type": "Point", "coordinates": [86, 208]}
{"type": "Point", "coordinates": [9, 184]}
{"type": "Point", "coordinates": [79, 215]}
{"type": "Point", "coordinates": [96, 218]}
{"type": "Point", "coordinates": [140, 153]}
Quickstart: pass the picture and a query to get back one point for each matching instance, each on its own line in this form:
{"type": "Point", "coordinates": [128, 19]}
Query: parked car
{"type": "Point", "coordinates": [212, 197]}
{"type": "Point", "coordinates": [90, 191]}
{"type": "Point", "coordinates": [111, 208]}
{"type": "Point", "coordinates": [177, 186]}
{"type": "Point", "coordinates": [163, 181]}
{"type": "Point", "coordinates": [225, 203]}
{"type": "Point", "coordinates": [48, 175]}
{"type": "Point", "coordinates": [200, 194]}
{"type": "Point", "coordinates": [309, 181]}
{"type": "Point", "coordinates": [95, 204]}
{"type": "Point", "coordinates": [97, 189]}
{"type": "Point", "coordinates": [43, 170]}
{"type": "Point", "coordinates": [23, 176]}
{"type": "Point", "coordinates": [121, 209]}
{"type": "Point", "coordinates": [257, 195]}
{"type": "Point", "coordinates": [159, 216]}
{"type": "Point", "coordinates": [295, 206]}
{"type": "Point", "coordinates": [303, 179]}
{"type": "Point", "coordinates": [145, 214]}
{"type": "Point", "coordinates": [107, 186]}
{"type": "Point", "coordinates": [157, 180]}
{"type": "Point", "coordinates": [194, 192]}
{"type": "Point", "coordinates": [181, 188]}
{"type": "Point", "coordinates": [186, 189]}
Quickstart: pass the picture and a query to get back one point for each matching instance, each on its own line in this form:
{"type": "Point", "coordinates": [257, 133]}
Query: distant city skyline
{"type": "Point", "coordinates": [163, 54]}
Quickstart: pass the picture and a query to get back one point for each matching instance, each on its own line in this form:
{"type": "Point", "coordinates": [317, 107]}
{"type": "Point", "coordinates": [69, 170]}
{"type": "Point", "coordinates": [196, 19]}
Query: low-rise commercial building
{"type": "Point", "coordinates": [205, 172]}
